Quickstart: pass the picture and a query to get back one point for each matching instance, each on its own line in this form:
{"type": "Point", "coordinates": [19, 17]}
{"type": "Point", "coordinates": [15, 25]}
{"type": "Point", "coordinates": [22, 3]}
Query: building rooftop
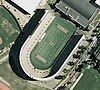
{"type": "Point", "coordinates": [97, 2]}
{"type": "Point", "coordinates": [80, 11]}
{"type": "Point", "coordinates": [83, 7]}
{"type": "Point", "coordinates": [29, 5]}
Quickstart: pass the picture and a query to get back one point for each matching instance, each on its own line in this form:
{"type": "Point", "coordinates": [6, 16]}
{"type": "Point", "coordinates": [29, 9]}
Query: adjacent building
{"type": "Point", "coordinates": [80, 11]}
{"type": "Point", "coordinates": [97, 2]}
{"type": "Point", "coordinates": [29, 5]}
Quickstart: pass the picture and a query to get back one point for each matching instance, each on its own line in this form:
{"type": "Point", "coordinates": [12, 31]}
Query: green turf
{"type": "Point", "coordinates": [46, 51]}
{"type": "Point", "coordinates": [90, 81]}
{"type": "Point", "coordinates": [9, 29]}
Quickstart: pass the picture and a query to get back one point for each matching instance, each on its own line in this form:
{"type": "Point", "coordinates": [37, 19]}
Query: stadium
{"type": "Point", "coordinates": [43, 48]}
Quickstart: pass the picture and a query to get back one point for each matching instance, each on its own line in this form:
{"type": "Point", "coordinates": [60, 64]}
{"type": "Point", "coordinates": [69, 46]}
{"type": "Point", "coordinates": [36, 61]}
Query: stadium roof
{"type": "Point", "coordinates": [97, 2]}
{"type": "Point", "coordinates": [28, 5]}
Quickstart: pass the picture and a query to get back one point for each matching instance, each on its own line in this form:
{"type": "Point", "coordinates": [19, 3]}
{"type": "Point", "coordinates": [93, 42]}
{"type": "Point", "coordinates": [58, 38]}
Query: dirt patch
{"type": "Point", "coordinates": [1, 41]}
{"type": "Point", "coordinates": [3, 87]}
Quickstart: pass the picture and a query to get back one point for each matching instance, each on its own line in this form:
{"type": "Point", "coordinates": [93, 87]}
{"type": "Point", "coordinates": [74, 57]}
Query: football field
{"type": "Point", "coordinates": [53, 41]}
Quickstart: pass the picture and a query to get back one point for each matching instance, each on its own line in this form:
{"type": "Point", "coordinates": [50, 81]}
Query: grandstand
{"type": "Point", "coordinates": [41, 49]}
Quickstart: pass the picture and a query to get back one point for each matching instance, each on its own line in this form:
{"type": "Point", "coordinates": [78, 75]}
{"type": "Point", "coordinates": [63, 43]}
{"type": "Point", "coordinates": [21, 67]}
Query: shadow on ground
{"type": "Point", "coordinates": [15, 50]}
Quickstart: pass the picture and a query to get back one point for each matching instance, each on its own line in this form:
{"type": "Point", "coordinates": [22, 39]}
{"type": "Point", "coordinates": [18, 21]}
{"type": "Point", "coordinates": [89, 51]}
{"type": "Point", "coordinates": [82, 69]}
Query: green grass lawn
{"type": "Point", "coordinates": [46, 51]}
{"type": "Point", "coordinates": [90, 81]}
{"type": "Point", "coordinates": [51, 1]}
{"type": "Point", "coordinates": [16, 83]}
{"type": "Point", "coordinates": [9, 29]}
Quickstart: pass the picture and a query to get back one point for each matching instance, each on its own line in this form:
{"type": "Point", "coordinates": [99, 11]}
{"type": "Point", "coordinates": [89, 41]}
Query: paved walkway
{"type": "Point", "coordinates": [20, 17]}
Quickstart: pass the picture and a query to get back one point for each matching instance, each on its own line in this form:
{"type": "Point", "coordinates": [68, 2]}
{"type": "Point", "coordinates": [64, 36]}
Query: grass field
{"type": "Point", "coordinates": [46, 51]}
{"type": "Point", "coordinates": [8, 28]}
{"type": "Point", "coordinates": [90, 81]}
{"type": "Point", "coordinates": [16, 83]}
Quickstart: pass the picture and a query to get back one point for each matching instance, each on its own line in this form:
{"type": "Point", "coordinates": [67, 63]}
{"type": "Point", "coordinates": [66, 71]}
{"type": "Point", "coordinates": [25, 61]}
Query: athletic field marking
{"type": "Point", "coordinates": [62, 28]}
{"type": "Point", "coordinates": [1, 41]}
{"type": "Point", "coordinates": [42, 37]}
{"type": "Point", "coordinates": [41, 58]}
{"type": "Point", "coordinates": [51, 43]}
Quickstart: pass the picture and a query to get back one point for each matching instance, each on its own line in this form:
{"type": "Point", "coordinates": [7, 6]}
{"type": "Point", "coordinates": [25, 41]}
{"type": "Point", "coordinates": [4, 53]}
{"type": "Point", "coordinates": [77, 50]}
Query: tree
{"type": "Point", "coordinates": [76, 56]}
{"type": "Point", "coordinates": [92, 35]}
{"type": "Point", "coordinates": [60, 77]}
{"type": "Point", "coordinates": [65, 70]}
{"type": "Point", "coordinates": [95, 31]}
{"type": "Point", "coordinates": [71, 63]}
{"type": "Point", "coordinates": [79, 68]}
{"type": "Point", "coordinates": [69, 82]}
{"type": "Point", "coordinates": [82, 47]}
{"type": "Point", "coordinates": [61, 87]}
{"type": "Point", "coordinates": [90, 40]}
{"type": "Point", "coordinates": [80, 51]}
